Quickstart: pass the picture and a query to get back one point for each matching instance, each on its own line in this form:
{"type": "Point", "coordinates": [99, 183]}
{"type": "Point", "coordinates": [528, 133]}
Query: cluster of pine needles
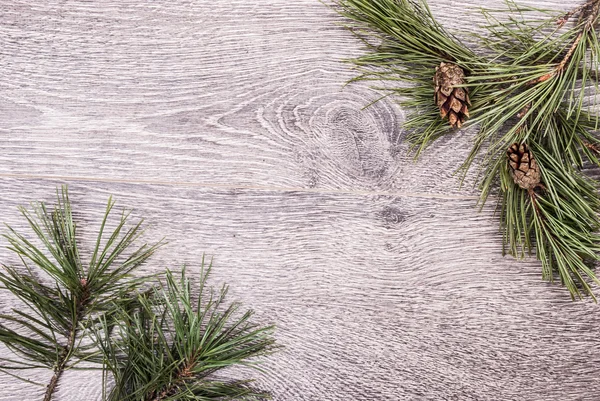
{"type": "Point", "coordinates": [532, 77]}
{"type": "Point", "coordinates": [155, 337]}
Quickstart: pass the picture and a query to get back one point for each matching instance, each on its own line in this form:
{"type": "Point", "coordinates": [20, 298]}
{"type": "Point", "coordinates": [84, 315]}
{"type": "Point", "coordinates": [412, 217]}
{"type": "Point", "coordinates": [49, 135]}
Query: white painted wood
{"type": "Point", "coordinates": [226, 125]}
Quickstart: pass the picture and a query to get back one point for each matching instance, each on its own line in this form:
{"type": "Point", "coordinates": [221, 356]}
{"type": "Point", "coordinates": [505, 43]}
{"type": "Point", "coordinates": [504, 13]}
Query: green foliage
{"type": "Point", "coordinates": [63, 294]}
{"type": "Point", "coordinates": [536, 84]}
{"type": "Point", "coordinates": [168, 347]}
{"type": "Point", "coordinates": [562, 218]}
{"type": "Point", "coordinates": [535, 93]}
{"type": "Point", "coordinates": [408, 44]}
{"type": "Point", "coordinates": [155, 343]}
{"type": "Point", "coordinates": [534, 80]}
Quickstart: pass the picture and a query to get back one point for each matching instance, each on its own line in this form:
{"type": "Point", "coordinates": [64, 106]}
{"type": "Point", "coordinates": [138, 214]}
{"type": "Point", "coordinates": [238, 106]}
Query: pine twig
{"type": "Point", "coordinates": [592, 146]}
{"type": "Point", "coordinates": [591, 18]}
{"type": "Point", "coordinates": [169, 347]}
{"type": "Point", "coordinates": [530, 87]}
{"type": "Point", "coordinates": [60, 313]}
{"type": "Point", "coordinates": [63, 359]}
{"type": "Point", "coordinates": [68, 349]}
{"type": "Point", "coordinates": [557, 135]}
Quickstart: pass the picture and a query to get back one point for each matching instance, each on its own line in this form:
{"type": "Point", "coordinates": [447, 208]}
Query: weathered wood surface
{"type": "Point", "coordinates": [226, 125]}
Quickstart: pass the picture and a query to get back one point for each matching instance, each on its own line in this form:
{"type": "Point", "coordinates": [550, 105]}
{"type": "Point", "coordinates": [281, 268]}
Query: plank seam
{"type": "Point", "coordinates": [401, 194]}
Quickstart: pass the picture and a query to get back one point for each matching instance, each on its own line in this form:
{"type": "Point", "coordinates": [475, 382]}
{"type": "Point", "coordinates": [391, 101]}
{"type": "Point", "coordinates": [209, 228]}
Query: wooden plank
{"type": "Point", "coordinates": [376, 298]}
{"type": "Point", "coordinates": [239, 93]}
{"type": "Point", "coordinates": [225, 124]}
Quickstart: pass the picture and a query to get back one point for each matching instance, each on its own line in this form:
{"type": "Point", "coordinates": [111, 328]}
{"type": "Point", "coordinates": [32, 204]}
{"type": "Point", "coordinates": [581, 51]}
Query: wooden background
{"type": "Point", "coordinates": [226, 125]}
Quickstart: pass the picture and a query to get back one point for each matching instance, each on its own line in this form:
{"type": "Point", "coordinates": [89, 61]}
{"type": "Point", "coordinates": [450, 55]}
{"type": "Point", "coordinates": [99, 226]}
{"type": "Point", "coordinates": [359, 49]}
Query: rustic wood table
{"type": "Point", "coordinates": [226, 124]}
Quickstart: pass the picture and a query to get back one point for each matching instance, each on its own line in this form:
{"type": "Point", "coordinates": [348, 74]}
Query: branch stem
{"type": "Point", "coordinates": [58, 371]}
{"type": "Point", "coordinates": [60, 366]}
{"type": "Point", "coordinates": [68, 349]}
{"type": "Point", "coordinates": [592, 146]}
{"type": "Point", "coordinates": [168, 391]}
{"type": "Point", "coordinates": [183, 373]}
{"type": "Point", "coordinates": [593, 9]}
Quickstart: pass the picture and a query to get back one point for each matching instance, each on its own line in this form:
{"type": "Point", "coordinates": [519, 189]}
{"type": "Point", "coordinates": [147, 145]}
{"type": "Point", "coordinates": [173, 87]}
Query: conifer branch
{"type": "Point", "coordinates": [408, 45]}
{"type": "Point", "coordinates": [160, 344]}
{"type": "Point", "coordinates": [60, 312]}
{"type": "Point", "coordinates": [168, 347]}
{"type": "Point", "coordinates": [530, 81]}
{"type": "Point", "coordinates": [564, 245]}
{"type": "Point", "coordinates": [590, 12]}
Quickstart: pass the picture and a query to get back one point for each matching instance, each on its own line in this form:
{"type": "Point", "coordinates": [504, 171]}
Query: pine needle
{"type": "Point", "coordinates": [169, 347]}
{"type": "Point", "coordinates": [533, 80]}
{"type": "Point", "coordinates": [405, 46]}
{"type": "Point", "coordinates": [60, 311]}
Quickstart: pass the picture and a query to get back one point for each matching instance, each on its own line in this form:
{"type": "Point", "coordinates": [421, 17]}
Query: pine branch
{"type": "Point", "coordinates": [406, 47]}
{"type": "Point", "coordinates": [590, 11]}
{"type": "Point", "coordinates": [562, 216]}
{"type": "Point", "coordinates": [564, 221]}
{"type": "Point", "coordinates": [537, 76]}
{"type": "Point", "coordinates": [60, 313]}
{"type": "Point", "coordinates": [532, 87]}
{"type": "Point", "coordinates": [169, 347]}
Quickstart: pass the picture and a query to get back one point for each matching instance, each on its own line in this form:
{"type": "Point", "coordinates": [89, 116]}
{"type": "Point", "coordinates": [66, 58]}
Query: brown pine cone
{"type": "Point", "coordinates": [523, 167]}
{"type": "Point", "coordinates": [451, 101]}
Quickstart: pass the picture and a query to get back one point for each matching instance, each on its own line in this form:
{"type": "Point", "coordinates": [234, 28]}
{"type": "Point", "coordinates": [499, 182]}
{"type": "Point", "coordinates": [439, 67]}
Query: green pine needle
{"type": "Point", "coordinates": [406, 46]}
{"type": "Point", "coordinates": [65, 295]}
{"type": "Point", "coordinates": [533, 79]}
{"type": "Point", "coordinates": [169, 347]}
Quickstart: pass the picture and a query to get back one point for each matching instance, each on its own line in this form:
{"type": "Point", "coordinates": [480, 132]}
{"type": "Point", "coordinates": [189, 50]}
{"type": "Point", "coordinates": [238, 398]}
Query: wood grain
{"type": "Point", "coordinates": [245, 94]}
{"type": "Point", "coordinates": [227, 126]}
{"type": "Point", "coordinates": [375, 298]}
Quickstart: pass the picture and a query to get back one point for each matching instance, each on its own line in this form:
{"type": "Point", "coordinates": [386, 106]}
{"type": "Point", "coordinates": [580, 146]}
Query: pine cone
{"type": "Point", "coordinates": [451, 101]}
{"type": "Point", "coordinates": [523, 167]}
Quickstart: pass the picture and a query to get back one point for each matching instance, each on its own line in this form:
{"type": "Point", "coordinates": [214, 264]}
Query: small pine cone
{"type": "Point", "coordinates": [523, 167]}
{"type": "Point", "coordinates": [451, 101]}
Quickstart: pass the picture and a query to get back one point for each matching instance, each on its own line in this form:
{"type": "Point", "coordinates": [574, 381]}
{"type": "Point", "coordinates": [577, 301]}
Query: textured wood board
{"type": "Point", "coordinates": [227, 126]}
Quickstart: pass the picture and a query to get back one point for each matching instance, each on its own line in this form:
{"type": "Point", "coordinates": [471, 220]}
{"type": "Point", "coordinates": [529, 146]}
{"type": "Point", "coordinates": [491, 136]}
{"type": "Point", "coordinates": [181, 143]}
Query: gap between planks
{"type": "Point", "coordinates": [239, 187]}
